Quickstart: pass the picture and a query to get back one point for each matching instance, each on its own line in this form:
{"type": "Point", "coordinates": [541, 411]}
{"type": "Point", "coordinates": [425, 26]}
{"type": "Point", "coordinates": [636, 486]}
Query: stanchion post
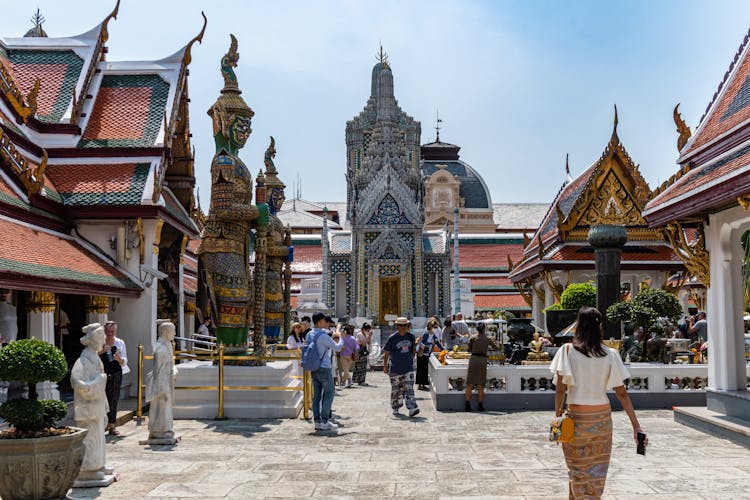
{"type": "Point", "coordinates": [139, 392]}
{"type": "Point", "coordinates": [221, 416]}
{"type": "Point", "coordinates": [305, 395]}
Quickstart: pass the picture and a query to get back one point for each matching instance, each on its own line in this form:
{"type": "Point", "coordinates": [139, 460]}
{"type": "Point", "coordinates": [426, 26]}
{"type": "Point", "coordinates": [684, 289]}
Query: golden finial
{"type": "Point", "coordinates": [104, 34]}
{"type": "Point", "coordinates": [199, 38]}
{"type": "Point", "coordinates": [615, 139]}
{"type": "Point", "coordinates": [682, 128]}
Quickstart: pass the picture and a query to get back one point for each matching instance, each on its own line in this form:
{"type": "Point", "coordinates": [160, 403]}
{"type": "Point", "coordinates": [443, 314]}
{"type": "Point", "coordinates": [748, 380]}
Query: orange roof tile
{"type": "Point", "coordinates": [308, 259]}
{"type": "Point", "coordinates": [514, 301]}
{"type": "Point", "coordinates": [28, 251]}
{"type": "Point", "coordinates": [488, 255]}
{"type": "Point", "coordinates": [731, 103]}
{"type": "Point", "coordinates": [103, 184]}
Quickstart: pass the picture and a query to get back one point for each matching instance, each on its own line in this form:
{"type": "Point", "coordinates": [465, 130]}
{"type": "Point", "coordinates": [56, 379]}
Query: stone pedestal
{"type": "Point", "coordinates": [608, 240]}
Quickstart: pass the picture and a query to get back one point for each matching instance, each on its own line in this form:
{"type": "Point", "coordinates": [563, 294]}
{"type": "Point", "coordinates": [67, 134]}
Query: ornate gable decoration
{"type": "Point", "coordinates": [388, 213]}
{"type": "Point", "coordinates": [615, 193]}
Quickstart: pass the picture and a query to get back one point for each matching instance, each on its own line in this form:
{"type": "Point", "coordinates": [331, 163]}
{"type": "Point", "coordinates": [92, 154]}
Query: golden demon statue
{"type": "Point", "coordinates": [278, 251]}
{"type": "Point", "coordinates": [226, 242]}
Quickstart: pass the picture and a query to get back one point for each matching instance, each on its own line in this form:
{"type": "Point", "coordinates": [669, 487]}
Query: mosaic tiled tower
{"type": "Point", "coordinates": [387, 265]}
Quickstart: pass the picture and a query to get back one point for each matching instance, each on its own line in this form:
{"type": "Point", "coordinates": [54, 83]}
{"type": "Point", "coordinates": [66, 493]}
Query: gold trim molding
{"type": "Point", "coordinates": [96, 304]}
{"type": "Point", "coordinates": [41, 302]}
{"type": "Point", "coordinates": [694, 255]}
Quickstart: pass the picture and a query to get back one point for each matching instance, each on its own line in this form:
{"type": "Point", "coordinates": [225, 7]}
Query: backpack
{"type": "Point", "coordinates": [310, 359]}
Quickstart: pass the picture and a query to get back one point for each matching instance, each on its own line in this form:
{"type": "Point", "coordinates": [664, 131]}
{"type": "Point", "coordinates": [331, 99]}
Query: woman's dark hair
{"type": "Point", "coordinates": [349, 329]}
{"type": "Point", "coordinates": [366, 326]}
{"type": "Point", "coordinates": [447, 322]}
{"type": "Point", "coordinates": [588, 336]}
{"type": "Point", "coordinates": [480, 328]}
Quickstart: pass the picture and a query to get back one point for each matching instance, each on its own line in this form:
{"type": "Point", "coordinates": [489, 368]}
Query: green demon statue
{"type": "Point", "coordinates": [226, 240]}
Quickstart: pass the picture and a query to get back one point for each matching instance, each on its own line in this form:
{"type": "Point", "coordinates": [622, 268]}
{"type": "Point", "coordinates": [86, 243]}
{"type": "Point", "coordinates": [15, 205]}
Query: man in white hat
{"type": "Point", "coordinates": [399, 351]}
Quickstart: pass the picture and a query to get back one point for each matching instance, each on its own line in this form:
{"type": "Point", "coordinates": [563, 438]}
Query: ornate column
{"type": "Point", "coordinates": [608, 240]}
{"type": "Point", "coordinates": [420, 309]}
{"type": "Point", "coordinates": [549, 295]}
{"type": "Point", "coordinates": [97, 309]}
{"type": "Point", "coordinates": [41, 321]}
{"type": "Point", "coordinates": [536, 308]}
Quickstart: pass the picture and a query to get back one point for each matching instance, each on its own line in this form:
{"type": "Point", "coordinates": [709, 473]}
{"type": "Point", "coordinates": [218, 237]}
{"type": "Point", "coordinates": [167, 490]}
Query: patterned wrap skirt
{"type": "Point", "coordinates": [587, 456]}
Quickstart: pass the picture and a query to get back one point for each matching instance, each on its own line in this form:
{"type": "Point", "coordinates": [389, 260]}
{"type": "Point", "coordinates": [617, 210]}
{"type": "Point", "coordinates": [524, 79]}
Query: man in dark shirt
{"type": "Point", "coordinates": [398, 363]}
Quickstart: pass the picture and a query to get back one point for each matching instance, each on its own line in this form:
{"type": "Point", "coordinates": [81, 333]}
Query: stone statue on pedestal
{"type": "Point", "coordinates": [226, 242]}
{"type": "Point", "coordinates": [90, 407]}
{"type": "Point", "coordinates": [278, 252]}
{"type": "Point", "coordinates": [160, 391]}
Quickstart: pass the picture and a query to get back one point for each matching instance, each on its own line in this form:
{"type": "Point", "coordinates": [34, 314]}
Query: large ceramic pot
{"type": "Point", "coordinates": [40, 468]}
{"type": "Point", "coordinates": [558, 320]}
{"type": "Point", "coordinates": [520, 330]}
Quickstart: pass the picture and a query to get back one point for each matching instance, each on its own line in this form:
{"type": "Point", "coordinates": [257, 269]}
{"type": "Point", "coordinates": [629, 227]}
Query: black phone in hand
{"type": "Point", "coordinates": [641, 448]}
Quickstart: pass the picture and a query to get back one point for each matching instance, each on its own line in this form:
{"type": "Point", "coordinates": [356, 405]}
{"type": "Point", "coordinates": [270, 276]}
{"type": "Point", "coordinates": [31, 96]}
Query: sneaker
{"type": "Point", "coordinates": [317, 425]}
{"type": "Point", "coordinates": [414, 412]}
{"type": "Point", "coordinates": [328, 426]}
{"type": "Point", "coordinates": [396, 413]}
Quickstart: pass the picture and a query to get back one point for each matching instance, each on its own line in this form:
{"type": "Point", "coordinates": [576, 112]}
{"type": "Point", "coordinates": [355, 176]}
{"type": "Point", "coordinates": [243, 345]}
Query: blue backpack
{"type": "Point", "coordinates": [310, 359]}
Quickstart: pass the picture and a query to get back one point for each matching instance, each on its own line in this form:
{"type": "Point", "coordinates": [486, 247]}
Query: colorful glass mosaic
{"type": "Point", "coordinates": [388, 213]}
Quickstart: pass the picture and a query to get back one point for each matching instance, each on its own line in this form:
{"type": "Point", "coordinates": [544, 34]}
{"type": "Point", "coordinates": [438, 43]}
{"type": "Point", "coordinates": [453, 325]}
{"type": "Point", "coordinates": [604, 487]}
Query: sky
{"type": "Point", "coordinates": [518, 84]}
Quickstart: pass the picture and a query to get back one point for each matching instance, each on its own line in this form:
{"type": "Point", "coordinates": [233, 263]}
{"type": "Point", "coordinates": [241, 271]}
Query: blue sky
{"type": "Point", "coordinates": [518, 83]}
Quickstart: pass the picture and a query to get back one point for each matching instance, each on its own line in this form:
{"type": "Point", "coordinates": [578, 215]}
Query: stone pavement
{"type": "Point", "coordinates": [435, 455]}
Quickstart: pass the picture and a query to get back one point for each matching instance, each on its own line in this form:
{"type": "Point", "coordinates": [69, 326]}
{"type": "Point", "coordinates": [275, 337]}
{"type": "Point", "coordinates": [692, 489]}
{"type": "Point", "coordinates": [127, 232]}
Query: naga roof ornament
{"type": "Point", "coordinates": [682, 128]}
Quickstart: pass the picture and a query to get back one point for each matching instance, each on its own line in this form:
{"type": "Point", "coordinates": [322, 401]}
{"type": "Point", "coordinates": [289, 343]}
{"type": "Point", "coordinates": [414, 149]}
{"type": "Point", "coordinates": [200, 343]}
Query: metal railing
{"type": "Point", "coordinates": [220, 359]}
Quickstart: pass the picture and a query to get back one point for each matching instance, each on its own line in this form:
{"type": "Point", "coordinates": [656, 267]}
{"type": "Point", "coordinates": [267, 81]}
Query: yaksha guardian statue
{"type": "Point", "coordinates": [226, 240]}
{"type": "Point", "coordinates": [278, 251]}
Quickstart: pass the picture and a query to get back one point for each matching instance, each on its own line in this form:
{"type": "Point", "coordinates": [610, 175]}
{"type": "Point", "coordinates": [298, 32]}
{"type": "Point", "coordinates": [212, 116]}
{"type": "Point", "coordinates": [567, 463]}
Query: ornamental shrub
{"type": "Point", "coordinates": [32, 361]}
{"type": "Point", "coordinates": [554, 307]}
{"type": "Point", "coordinates": [663, 303]}
{"type": "Point", "coordinates": [578, 295]}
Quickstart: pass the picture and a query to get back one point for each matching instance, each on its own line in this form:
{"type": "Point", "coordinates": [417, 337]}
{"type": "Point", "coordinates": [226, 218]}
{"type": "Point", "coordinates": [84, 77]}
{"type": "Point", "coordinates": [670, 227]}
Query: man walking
{"type": "Point", "coordinates": [322, 378]}
{"type": "Point", "coordinates": [399, 350]}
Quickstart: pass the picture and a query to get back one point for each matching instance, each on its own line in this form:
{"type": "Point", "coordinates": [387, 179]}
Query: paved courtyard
{"type": "Point", "coordinates": [435, 455]}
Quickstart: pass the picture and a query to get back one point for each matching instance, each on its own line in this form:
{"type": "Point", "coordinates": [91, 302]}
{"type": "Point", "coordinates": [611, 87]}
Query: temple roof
{"type": "Point", "coordinates": [440, 151]}
{"type": "Point", "coordinates": [100, 184]}
{"type": "Point", "coordinates": [46, 260]}
{"type": "Point", "coordinates": [128, 111]}
{"type": "Point", "coordinates": [715, 162]}
{"type": "Point", "coordinates": [730, 106]}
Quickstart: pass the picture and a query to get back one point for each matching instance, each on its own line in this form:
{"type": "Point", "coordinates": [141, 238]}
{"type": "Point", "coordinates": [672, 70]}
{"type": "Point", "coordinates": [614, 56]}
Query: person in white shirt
{"type": "Point", "coordinates": [8, 318]}
{"type": "Point", "coordinates": [586, 369]}
{"type": "Point", "coordinates": [461, 329]}
{"type": "Point", "coordinates": [203, 328]}
{"type": "Point", "coordinates": [294, 343]}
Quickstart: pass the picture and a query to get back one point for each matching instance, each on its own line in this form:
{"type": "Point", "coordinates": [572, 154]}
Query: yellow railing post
{"type": "Point", "coordinates": [305, 395]}
{"type": "Point", "coordinates": [139, 392]}
{"type": "Point", "coordinates": [220, 416]}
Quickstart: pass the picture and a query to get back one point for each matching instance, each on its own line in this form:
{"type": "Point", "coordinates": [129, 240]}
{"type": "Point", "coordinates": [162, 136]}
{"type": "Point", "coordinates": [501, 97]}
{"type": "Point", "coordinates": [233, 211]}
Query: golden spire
{"type": "Point", "coordinates": [186, 58]}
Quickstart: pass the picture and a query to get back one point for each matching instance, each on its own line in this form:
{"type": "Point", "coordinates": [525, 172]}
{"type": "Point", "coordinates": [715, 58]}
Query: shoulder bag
{"type": "Point", "coordinates": [561, 429]}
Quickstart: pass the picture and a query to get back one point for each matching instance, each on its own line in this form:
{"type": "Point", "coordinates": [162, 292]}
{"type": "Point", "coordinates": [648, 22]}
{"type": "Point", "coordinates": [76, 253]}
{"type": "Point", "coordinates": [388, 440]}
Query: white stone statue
{"type": "Point", "coordinates": [90, 407]}
{"type": "Point", "coordinates": [160, 390]}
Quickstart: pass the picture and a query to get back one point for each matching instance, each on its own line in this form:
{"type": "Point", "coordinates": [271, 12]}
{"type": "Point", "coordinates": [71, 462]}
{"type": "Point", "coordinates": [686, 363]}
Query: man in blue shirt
{"type": "Point", "coordinates": [322, 379]}
{"type": "Point", "coordinates": [399, 351]}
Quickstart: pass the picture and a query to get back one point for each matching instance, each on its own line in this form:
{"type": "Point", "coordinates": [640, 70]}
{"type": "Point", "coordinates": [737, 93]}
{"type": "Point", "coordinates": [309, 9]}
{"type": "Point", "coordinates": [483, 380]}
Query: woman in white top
{"type": "Point", "coordinates": [586, 369]}
{"type": "Point", "coordinates": [295, 342]}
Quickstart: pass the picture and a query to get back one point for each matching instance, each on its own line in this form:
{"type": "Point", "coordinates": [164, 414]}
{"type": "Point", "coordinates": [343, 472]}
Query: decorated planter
{"type": "Point", "coordinates": [40, 468]}
{"type": "Point", "coordinates": [520, 330]}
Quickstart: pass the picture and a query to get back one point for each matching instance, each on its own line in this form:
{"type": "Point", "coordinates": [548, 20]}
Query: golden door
{"type": "Point", "coordinates": [390, 297]}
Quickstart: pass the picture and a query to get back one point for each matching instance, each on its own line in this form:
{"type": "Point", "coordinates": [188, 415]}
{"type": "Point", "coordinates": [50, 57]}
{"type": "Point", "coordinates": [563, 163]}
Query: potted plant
{"type": "Point", "coordinates": [653, 310]}
{"type": "Point", "coordinates": [561, 315]}
{"type": "Point", "coordinates": [40, 459]}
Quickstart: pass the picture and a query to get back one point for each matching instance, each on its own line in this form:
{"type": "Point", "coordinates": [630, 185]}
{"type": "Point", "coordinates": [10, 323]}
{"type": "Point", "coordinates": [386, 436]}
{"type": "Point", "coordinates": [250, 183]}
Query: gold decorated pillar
{"type": "Point", "coordinates": [97, 309]}
{"type": "Point", "coordinates": [41, 325]}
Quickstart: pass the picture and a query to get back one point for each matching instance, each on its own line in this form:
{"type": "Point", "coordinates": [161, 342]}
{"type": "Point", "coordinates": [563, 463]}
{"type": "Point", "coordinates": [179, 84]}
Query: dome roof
{"type": "Point", "coordinates": [473, 188]}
